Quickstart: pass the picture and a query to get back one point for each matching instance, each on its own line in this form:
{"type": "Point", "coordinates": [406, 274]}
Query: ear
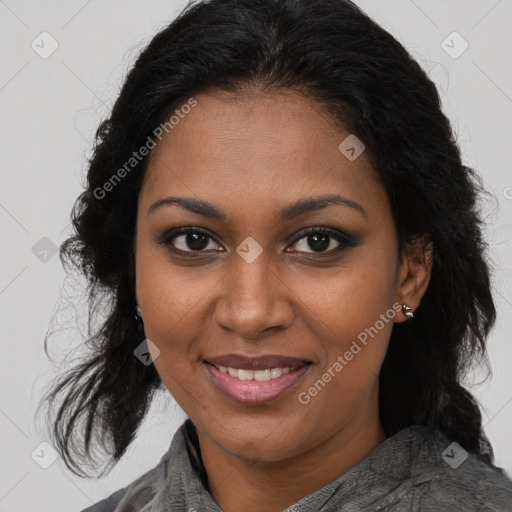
{"type": "Point", "coordinates": [414, 274]}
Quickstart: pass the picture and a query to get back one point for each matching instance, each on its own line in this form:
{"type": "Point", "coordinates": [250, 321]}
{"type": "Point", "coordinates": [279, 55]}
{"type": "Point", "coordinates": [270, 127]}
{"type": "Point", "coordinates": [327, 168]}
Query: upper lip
{"type": "Point", "coordinates": [244, 362]}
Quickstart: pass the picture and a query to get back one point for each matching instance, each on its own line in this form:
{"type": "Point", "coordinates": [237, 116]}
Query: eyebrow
{"type": "Point", "coordinates": [300, 207]}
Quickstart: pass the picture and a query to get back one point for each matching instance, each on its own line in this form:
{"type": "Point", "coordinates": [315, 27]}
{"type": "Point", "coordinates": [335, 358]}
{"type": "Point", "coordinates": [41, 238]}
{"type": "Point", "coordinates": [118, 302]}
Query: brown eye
{"type": "Point", "coordinates": [321, 240]}
{"type": "Point", "coordinates": [189, 240]}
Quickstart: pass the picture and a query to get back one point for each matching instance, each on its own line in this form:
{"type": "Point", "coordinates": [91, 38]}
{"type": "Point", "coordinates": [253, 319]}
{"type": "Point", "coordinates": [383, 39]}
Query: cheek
{"type": "Point", "coordinates": [354, 343]}
{"type": "Point", "coordinates": [170, 296]}
{"type": "Point", "coordinates": [173, 321]}
{"type": "Point", "coordinates": [346, 300]}
{"type": "Point", "coordinates": [351, 312]}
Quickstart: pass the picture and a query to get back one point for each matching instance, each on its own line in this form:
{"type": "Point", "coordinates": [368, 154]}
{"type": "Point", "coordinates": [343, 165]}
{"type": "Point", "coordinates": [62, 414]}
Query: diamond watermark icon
{"type": "Point", "coordinates": [352, 147]}
{"type": "Point", "coordinates": [44, 250]}
{"type": "Point", "coordinates": [44, 45]}
{"type": "Point", "coordinates": [249, 249]}
{"type": "Point", "coordinates": [455, 455]}
{"type": "Point", "coordinates": [44, 455]}
{"type": "Point", "coordinates": [454, 45]}
{"type": "Point", "coordinates": [147, 352]}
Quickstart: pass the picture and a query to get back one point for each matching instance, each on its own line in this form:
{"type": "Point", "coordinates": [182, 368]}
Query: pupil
{"type": "Point", "coordinates": [196, 241]}
{"type": "Point", "coordinates": [321, 242]}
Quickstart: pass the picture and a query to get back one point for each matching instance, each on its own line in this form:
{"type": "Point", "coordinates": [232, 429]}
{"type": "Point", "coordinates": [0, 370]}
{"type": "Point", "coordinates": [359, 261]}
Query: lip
{"type": "Point", "coordinates": [253, 392]}
{"type": "Point", "coordinates": [262, 362]}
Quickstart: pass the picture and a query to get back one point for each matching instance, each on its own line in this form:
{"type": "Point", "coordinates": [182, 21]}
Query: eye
{"type": "Point", "coordinates": [320, 240]}
{"type": "Point", "coordinates": [189, 240]}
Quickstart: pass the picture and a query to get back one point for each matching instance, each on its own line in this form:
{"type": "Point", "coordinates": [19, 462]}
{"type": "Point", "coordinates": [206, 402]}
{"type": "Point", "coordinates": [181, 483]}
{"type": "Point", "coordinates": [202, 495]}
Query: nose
{"type": "Point", "coordinates": [254, 299]}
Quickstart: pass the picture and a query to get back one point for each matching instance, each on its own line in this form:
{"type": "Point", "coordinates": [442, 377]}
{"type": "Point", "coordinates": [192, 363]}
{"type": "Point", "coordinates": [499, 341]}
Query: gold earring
{"type": "Point", "coordinates": [407, 311]}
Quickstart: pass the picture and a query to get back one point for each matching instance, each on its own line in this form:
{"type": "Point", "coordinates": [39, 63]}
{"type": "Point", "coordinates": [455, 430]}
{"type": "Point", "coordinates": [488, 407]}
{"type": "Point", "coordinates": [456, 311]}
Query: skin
{"type": "Point", "coordinates": [250, 156]}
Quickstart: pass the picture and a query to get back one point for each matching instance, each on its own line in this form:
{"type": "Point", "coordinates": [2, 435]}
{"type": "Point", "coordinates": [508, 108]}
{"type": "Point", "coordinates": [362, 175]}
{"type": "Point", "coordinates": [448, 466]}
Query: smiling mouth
{"type": "Point", "coordinates": [259, 375]}
{"type": "Point", "coordinates": [255, 381]}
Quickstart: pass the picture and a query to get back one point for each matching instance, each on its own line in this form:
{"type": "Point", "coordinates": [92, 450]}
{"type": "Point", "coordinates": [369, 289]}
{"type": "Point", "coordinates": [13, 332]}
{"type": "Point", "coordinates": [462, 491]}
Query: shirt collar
{"type": "Point", "coordinates": [383, 470]}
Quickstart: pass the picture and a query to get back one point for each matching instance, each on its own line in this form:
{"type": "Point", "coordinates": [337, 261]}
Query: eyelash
{"type": "Point", "coordinates": [344, 240]}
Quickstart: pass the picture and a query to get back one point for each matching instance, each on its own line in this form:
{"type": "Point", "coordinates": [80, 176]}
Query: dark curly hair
{"type": "Point", "coordinates": [332, 52]}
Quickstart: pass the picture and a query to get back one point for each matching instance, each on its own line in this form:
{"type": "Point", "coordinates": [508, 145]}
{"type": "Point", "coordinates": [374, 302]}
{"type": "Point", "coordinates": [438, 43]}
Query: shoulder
{"type": "Point", "coordinates": [447, 476]}
{"type": "Point", "coordinates": [476, 487]}
{"type": "Point", "coordinates": [133, 497]}
{"type": "Point", "coordinates": [138, 494]}
{"type": "Point", "coordinates": [108, 504]}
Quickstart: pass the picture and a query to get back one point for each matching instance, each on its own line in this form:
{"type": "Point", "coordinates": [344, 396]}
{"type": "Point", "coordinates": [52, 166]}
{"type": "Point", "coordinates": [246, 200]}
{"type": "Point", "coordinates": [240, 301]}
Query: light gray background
{"type": "Point", "coordinates": [50, 109]}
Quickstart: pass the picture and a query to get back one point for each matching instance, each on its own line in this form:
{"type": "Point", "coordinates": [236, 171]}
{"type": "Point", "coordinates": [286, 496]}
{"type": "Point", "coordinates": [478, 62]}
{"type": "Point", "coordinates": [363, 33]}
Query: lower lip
{"type": "Point", "coordinates": [254, 392]}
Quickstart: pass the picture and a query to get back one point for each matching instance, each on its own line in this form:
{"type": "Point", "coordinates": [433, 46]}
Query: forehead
{"type": "Point", "coordinates": [253, 146]}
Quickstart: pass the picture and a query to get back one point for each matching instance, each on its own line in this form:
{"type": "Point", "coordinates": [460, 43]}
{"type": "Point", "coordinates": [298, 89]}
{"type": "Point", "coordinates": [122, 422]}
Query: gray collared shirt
{"type": "Point", "coordinates": [410, 471]}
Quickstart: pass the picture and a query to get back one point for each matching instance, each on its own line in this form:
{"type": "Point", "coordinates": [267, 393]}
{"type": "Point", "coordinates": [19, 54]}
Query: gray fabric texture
{"type": "Point", "coordinates": [406, 473]}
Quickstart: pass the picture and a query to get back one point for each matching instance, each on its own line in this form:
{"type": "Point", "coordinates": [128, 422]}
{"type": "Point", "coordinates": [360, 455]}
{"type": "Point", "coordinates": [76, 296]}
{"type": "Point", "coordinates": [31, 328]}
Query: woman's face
{"type": "Point", "coordinates": [271, 281]}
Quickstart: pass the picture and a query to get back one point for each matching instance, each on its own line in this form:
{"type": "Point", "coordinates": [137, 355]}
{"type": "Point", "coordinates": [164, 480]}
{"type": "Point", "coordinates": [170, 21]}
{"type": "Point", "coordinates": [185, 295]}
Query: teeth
{"type": "Point", "coordinates": [245, 374]}
{"type": "Point", "coordinates": [259, 375]}
{"type": "Point", "coordinates": [276, 372]}
{"type": "Point", "coordinates": [262, 375]}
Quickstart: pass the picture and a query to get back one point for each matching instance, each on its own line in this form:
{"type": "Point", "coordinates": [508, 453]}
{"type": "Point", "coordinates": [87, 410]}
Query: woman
{"type": "Point", "coordinates": [279, 199]}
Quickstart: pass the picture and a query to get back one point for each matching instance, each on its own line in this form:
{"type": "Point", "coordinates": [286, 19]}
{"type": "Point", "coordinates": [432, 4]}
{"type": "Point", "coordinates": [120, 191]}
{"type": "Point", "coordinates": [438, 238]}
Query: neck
{"type": "Point", "coordinates": [237, 484]}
